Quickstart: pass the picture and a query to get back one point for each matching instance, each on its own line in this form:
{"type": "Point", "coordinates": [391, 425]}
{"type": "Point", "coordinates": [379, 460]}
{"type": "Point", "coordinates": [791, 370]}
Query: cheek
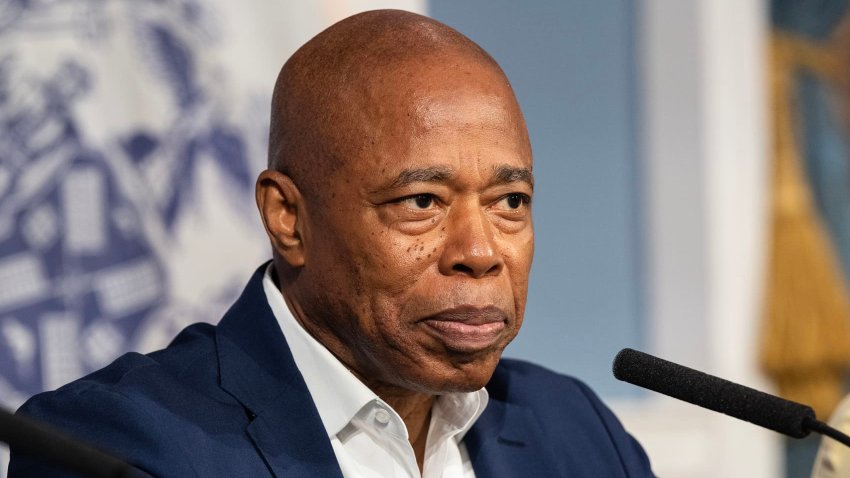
{"type": "Point", "coordinates": [518, 253]}
{"type": "Point", "coordinates": [396, 273]}
{"type": "Point", "coordinates": [394, 263]}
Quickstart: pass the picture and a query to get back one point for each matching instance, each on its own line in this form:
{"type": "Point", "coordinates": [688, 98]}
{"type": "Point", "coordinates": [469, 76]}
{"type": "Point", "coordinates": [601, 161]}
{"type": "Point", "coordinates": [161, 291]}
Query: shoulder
{"type": "Point", "coordinates": [140, 407]}
{"type": "Point", "coordinates": [514, 376]}
{"type": "Point", "coordinates": [567, 410]}
{"type": "Point", "coordinates": [517, 381]}
{"type": "Point", "coordinates": [189, 362]}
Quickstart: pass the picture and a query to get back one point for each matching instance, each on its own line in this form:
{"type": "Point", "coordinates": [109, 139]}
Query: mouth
{"type": "Point", "coordinates": [467, 329]}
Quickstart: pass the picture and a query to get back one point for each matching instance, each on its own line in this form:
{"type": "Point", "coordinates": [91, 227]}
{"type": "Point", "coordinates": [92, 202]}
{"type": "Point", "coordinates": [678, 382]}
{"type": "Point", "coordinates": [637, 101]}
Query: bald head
{"type": "Point", "coordinates": [343, 91]}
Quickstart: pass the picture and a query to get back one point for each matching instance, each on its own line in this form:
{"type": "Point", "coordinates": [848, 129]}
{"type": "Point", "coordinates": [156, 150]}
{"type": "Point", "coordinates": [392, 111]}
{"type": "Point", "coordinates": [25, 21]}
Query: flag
{"type": "Point", "coordinates": [806, 340]}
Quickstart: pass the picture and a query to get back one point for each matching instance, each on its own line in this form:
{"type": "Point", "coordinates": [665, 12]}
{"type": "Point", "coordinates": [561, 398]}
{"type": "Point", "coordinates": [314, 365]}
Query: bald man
{"type": "Point", "coordinates": [398, 206]}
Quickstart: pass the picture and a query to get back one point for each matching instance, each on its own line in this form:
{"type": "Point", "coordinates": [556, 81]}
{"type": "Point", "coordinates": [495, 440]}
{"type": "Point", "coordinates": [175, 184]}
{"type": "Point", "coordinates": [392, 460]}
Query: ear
{"type": "Point", "coordinates": [282, 209]}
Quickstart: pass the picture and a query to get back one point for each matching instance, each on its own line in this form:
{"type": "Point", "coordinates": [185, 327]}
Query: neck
{"type": "Point", "coordinates": [415, 409]}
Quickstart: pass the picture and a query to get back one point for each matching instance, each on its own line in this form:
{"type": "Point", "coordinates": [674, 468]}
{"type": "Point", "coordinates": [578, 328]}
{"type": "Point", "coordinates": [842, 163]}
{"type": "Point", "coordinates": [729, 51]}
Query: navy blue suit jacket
{"type": "Point", "coordinates": [228, 400]}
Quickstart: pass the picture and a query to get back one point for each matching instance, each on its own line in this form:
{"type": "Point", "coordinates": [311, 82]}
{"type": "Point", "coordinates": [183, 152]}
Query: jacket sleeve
{"type": "Point", "coordinates": [107, 420]}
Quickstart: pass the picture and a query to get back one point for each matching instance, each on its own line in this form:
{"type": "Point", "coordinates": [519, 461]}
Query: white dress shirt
{"type": "Point", "coordinates": [368, 437]}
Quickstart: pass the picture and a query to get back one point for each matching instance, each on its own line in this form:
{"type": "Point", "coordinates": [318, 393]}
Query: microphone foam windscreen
{"type": "Point", "coordinates": [698, 388]}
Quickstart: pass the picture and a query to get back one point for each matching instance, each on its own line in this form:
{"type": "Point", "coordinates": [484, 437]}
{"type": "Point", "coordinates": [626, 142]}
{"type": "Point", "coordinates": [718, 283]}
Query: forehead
{"type": "Point", "coordinates": [449, 113]}
{"type": "Point", "coordinates": [425, 90]}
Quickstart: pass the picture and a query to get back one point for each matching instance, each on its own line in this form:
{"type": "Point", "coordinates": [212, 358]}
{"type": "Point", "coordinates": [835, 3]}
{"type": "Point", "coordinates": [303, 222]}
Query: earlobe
{"type": "Point", "coordinates": [279, 202]}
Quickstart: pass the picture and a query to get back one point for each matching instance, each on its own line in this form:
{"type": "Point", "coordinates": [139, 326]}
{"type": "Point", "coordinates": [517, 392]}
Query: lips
{"type": "Point", "coordinates": [467, 328]}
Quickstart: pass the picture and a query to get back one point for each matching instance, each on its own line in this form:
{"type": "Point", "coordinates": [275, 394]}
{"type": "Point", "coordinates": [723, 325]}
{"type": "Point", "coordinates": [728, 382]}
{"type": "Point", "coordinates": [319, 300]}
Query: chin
{"type": "Point", "coordinates": [453, 378]}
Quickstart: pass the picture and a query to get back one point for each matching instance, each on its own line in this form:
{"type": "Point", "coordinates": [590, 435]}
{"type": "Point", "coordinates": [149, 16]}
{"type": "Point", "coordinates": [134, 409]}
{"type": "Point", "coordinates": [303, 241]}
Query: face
{"type": "Point", "coordinates": [416, 262]}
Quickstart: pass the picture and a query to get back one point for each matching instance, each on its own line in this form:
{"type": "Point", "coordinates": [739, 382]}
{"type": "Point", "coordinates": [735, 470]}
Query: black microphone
{"type": "Point", "coordinates": [36, 440]}
{"type": "Point", "coordinates": [674, 380]}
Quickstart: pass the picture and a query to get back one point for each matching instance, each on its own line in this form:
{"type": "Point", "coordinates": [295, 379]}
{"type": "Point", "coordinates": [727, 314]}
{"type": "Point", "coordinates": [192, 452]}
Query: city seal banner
{"type": "Point", "coordinates": [130, 136]}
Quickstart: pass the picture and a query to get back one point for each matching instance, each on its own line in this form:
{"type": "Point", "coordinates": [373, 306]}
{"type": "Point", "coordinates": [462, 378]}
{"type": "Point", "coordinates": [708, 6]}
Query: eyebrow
{"type": "Point", "coordinates": [422, 175]}
{"type": "Point", "coordinates": [510, 174]}
{"type": "Point", "coordinates": [501, 175]}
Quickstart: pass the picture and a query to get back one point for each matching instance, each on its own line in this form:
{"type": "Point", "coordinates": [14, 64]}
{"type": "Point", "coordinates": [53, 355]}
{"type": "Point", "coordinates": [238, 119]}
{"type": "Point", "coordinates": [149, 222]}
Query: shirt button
{"type": "Point", "coordinates": [382, 417]}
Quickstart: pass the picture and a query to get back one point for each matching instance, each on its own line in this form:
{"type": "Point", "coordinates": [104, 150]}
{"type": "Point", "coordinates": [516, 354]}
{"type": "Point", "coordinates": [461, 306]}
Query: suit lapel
{"type": "Point", "coordinates": [505, 442]}
{"type": "Point", "coordinates": [257, 369]}
{"type": "Point", "coordinates": [293, 451]}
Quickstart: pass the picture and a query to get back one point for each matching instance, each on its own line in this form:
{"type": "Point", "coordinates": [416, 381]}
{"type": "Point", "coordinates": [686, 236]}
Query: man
{"type": "Point", "coordinates": [398, 205]}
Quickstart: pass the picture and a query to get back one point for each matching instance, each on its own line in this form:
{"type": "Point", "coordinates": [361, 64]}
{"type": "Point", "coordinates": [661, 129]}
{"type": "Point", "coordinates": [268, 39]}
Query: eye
{"type": "Point", "coordinates": [419, 201]}
{"type": "Point", "coordinates": [514, 201]}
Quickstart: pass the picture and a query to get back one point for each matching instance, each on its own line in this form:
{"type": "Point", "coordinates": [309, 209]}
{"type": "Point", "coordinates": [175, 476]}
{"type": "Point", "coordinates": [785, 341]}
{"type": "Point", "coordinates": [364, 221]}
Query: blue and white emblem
{"type": "Point", "coordinates": [127, 160]}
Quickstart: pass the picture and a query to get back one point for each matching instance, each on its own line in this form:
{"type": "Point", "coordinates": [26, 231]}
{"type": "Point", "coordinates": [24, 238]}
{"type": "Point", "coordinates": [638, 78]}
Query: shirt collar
{"type": "Point", "coordinates": [455, 413]}
{"type": "Point", "coordinates": [339, 395]}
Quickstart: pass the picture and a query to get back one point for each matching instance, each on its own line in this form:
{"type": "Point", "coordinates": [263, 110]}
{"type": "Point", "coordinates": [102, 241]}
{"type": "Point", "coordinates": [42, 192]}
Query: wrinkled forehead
{"type": "Point", "coordinates": [412, 98]}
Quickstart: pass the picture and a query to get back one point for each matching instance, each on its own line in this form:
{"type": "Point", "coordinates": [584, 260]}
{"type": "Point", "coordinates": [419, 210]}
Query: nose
{"type": "Point", "coordinates": [470, 247]}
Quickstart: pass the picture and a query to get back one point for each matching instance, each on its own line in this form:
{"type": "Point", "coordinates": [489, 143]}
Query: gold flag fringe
{"type": "Point", "coordinates": [806, 329]}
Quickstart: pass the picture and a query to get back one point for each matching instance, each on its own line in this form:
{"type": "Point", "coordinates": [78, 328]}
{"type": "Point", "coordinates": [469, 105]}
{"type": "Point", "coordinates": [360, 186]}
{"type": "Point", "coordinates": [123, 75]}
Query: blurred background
{"type": "Point", "coordinates": [692, 196]}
